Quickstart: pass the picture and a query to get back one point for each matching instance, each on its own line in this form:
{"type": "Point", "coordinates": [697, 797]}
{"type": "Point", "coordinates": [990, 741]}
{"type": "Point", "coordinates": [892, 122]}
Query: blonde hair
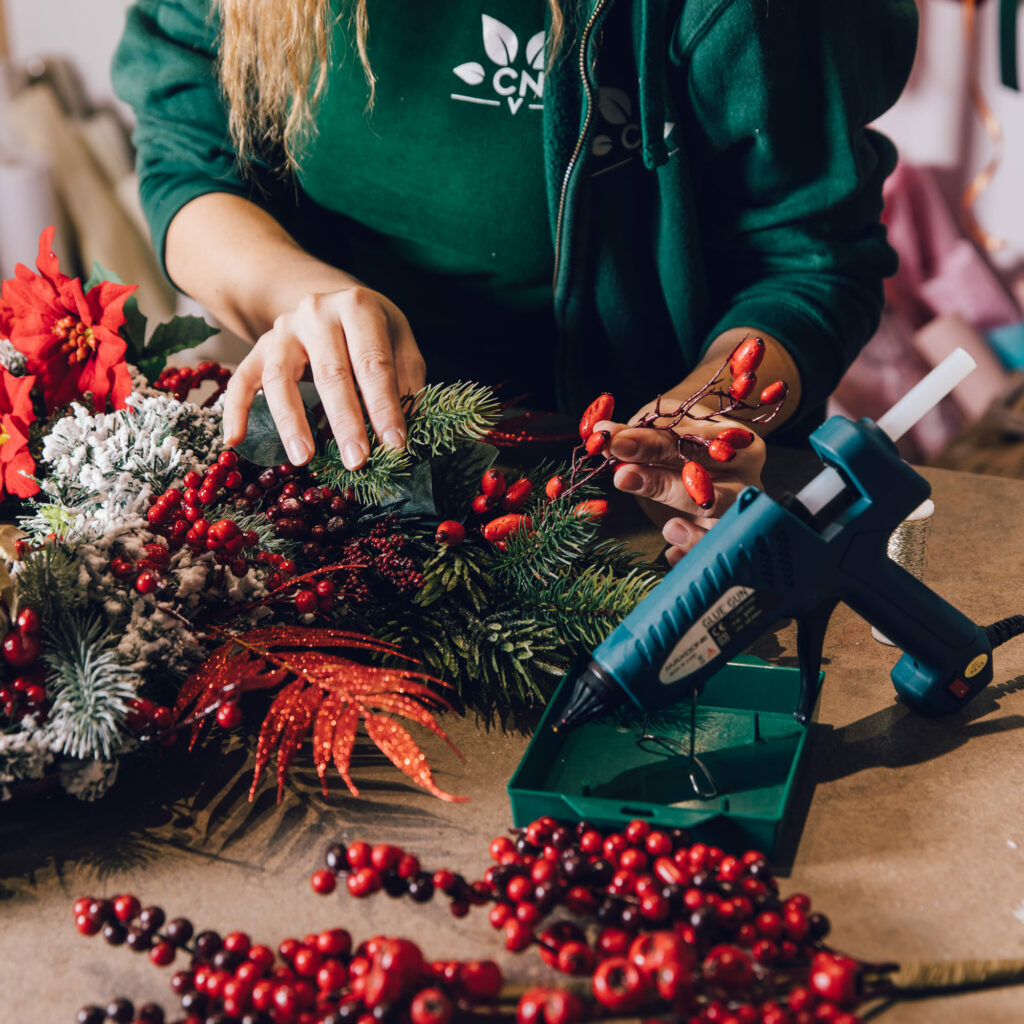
{"type": "Point", "coordinates": [275, 61]}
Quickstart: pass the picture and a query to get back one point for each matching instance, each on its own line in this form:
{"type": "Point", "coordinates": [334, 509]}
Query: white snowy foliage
{"type": "Point", "coordinates": [103, 467]}
{"type": "Point", "coordinates": [24, 755]}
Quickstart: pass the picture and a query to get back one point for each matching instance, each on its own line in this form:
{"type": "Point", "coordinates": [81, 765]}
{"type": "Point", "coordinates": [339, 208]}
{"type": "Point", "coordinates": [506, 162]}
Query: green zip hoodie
{"type": "Point", "coordinates": [753, 197]}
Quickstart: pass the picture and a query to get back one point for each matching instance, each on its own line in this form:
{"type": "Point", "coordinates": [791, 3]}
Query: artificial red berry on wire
{"type": "Point", "coordinates": [450, 533]}
{"type": "Point", "coordinates": [601, 408]}
{"type": "Point", "coordinates": [516, 495]}
{"type": "Point", "coordinates": [747, 356]}
{"type": "Point", "coordinates": [697, 481]}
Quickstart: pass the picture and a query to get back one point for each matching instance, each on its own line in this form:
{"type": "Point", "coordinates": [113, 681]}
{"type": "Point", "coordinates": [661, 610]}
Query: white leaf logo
{"type": "Point", "coordinates": [471, 72]}
{"type": "Point", "coordinates": [614, 104]}
{"type": "Point", "coordinates": [535, 51]}
{"type": "Point", "coordinates": [669, 125]}
{"type": "Point", "coordinates": [602, 144]}
{"type": "Point", "coordinates": [500, 41]}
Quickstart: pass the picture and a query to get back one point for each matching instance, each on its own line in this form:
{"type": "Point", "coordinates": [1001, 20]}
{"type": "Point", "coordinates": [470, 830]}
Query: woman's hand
{"type": "Point", "coordinates": [651, 470]}
{"type": "Point", "coordinates": [362, 355]}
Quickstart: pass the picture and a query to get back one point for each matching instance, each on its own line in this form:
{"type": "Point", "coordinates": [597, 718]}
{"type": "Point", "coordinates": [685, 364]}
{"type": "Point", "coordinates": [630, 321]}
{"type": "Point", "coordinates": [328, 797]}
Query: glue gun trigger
{"type": "Point", "coordinates": [810, 639]}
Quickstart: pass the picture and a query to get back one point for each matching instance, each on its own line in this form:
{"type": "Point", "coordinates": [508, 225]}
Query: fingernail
{"type": "Point", "coordinates": [393, 438]}
{"type": "Point", "coordinates": [298, 451]}
{"type": "Point", "coordinates": [625, 447]}
{"type": "Point", "coordinates": [627, 480]}
{"type": "Point", "coordinates": [676, 533]}
{"type": "Point", "coordinates": [353, 455]}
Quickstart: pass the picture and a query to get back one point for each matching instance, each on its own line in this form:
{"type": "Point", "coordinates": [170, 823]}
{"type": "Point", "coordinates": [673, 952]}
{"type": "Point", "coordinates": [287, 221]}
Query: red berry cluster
{"type": "Point", "coordinates": [320, 979]}
{"type": "Point", "coordinates": [662, 923]}
{"type": "Point", "coordinates": [146, 720]}
{"type": "Point", "coordinates": [495, 495]}
{"type": "Point", "coordinates": [742, 363]}
{"type": "Point", "coordinates": [25, 694]}
{"type": "Point", "coordinates": [180, 380]}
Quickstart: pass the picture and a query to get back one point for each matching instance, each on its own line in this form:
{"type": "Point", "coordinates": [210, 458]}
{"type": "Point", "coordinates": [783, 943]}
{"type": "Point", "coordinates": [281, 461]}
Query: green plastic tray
{"type": "Point", "coordinates": [746, 736]}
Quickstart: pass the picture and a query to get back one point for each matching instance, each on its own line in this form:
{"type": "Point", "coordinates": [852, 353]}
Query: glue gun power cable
{"type": "Point", "coordinates": [768, 560]}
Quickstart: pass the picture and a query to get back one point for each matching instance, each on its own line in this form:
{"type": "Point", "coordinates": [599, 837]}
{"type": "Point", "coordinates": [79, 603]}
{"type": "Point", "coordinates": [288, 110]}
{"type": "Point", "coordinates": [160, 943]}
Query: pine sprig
{"type": "Point", "coordinates": [444, 416]}
{"type": "Point", "coordinates": [48, 581]}
{"type": "Point", "coordinates": [380, 481]}
{"type": "Point", "coordinates": [585, 608]}
{"type": "Point", "coordinates": [559, 539]}
{"type": "Point", "coordinates": [90, 688]}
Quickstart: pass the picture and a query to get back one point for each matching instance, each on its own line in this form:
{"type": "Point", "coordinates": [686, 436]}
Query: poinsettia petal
{"type": "Point", "coordinates": [106, 304]}
{"type": "Point", "coordinates": [18, 474]}
{"type": "Point", "coordinates": [46, 259]}
{"type": "Point", "coordinates": [72, 295]}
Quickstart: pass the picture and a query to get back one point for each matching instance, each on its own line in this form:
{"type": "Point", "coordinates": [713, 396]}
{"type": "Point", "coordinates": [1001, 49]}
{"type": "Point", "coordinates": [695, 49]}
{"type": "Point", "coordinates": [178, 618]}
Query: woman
{"type": "Point", "coordinates": [568, 196]}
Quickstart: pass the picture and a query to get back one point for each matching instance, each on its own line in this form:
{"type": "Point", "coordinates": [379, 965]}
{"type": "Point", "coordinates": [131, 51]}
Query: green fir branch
{"type": "Point", "coordinates": [90, 688]}
{"type": "Point", "coordinates": [584, 609]}
{"type": "Point", "coordinates": [47, 580]}
{"type": "Point", "coordinates": [559, 540]}
{"type": "Point", "coordinates": [381, 480]}
{"type": "Point", "coordinates": [445, 416]}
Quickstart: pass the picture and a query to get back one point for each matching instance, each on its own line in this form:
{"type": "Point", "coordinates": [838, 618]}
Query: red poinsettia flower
{"type": "Point", "coordinates": [17, 467]}
{"type": "Point", "coordinates": [69, 337]}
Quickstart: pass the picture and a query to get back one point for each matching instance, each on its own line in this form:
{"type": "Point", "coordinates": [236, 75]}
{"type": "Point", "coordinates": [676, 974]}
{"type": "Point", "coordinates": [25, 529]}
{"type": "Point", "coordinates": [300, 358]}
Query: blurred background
{"type": "Point", "coordinates": [954, 207]}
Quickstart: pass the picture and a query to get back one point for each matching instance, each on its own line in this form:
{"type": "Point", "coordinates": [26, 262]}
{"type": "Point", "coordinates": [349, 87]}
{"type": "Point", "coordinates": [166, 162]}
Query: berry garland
{"type": "Point", "coordinates": [648, 924]}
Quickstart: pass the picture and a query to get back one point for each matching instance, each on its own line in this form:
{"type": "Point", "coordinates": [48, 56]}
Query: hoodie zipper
{"type": "Point", "coordinates": [584, 131]}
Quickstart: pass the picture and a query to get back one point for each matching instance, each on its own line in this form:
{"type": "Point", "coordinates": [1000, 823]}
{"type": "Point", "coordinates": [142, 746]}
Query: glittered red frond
{"type": "Point", "coordinates": [404, 753]}
{"type": "Point", "coordinates": [323, 693]}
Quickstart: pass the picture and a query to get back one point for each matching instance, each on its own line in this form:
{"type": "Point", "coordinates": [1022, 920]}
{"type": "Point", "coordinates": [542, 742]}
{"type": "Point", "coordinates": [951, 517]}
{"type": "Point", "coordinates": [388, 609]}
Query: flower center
{"type": "Point", "coordinates": [79, 341]}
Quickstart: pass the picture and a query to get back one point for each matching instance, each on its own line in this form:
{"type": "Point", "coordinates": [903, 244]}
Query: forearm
{"type": "Point", "coordinates": [234, 258]}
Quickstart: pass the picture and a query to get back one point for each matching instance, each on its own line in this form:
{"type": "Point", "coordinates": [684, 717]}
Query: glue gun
{"type": "Point", "coordinates": [767, 560]}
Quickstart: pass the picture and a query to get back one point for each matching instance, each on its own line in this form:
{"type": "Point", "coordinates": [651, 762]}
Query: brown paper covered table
{"type": "Point", "coordinates": [908, 832]}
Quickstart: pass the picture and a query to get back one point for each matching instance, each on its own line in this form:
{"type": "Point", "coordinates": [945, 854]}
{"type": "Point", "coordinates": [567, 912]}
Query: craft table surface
{"type": "Point", "coordinates": [909, 832]}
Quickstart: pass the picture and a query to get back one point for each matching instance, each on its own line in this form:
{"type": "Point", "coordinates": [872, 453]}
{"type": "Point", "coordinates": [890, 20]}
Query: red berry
{"type": "Point", "coordinates": [601, 408]}
{"type": "Point", "coordinates": [451, 533]}
{"type": "Point", "coordinates": [721, 451]}
{"type": "Point", "coordinates": [228, 459]}
{"type": "Point", "coordinates": [306, 601]}
{"type": "Point", "coordinates": [28, 621]}
{"type": "Point", "coordinates": [598, 442]}
{"type": "Point", "coordinates": [697, 481]}
{"type": "Point", "coordinates": [504, 526]}
{"type": "Point", "coordinates": [592, 508]}
{"type": "Point", "coordinates": [492, 483]}
{"type": "Point", "coordinates": [555, 487]}
{"type": "Point", "coordinates": [147, 582]}
{"type": "Point", "coordinates": [836, 978]}
{"type": "Point", "coordinates": [746, 356]}
{"type": "Point", "coordinates": [430, 1006]}
{"type": "Point", "coordinates": [575, 958]}
{"type": "Point", "coordinates": [162, 954]}
{"type": "Point", "coordinates": [482, 504]}
{"type": "Point", "coordinates": [737, 437]}
{"type": "Point", "coordinates": [517, 935]}
{"type": "Point", "coordinates": [618, 985]}
{"type": "Point", "coordinates": [126, 908]}
{"type": "Point", "coordinates": [742, 386]}
{"type": "Point", "coordinates": [517, 496]}
{"type": "Point", "coordinates": [229, 716]}
{"type": "Point", "coordinates": [775, 392]}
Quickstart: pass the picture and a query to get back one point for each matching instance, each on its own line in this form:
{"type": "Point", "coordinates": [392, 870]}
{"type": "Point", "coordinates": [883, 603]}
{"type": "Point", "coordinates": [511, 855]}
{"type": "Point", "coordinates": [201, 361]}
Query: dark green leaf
{"type": "Point", "coordinates": [176, 335]}
{"type": "Point", "coordinates": [262, 444]}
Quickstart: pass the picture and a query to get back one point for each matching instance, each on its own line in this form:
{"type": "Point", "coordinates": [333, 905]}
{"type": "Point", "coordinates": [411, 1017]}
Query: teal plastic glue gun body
{"type": "Point", "coordinates": [767, 560]}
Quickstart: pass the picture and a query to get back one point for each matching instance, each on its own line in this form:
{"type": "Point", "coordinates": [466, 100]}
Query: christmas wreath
{"type": "Point", "coordinates": [153, 577]}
